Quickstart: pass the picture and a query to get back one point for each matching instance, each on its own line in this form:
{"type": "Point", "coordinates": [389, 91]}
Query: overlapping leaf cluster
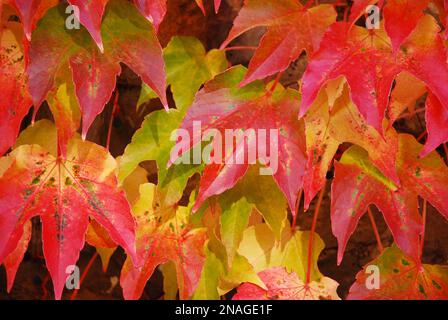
{"type": "Point", "coordinates": [234, 231]}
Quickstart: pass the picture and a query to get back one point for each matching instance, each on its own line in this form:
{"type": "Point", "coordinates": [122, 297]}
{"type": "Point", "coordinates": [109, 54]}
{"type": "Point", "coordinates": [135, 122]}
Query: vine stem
{"type": "Point", "coordinates": [276, 81]}
{"type": "Point", "coordinates": [308, 4]}
{"type": "Point", "coordinates": [111, 121]}
{"type": "Point", "coordinates": [238, 48]}
{"type": "Point", "coordinates": [346, 13]}
{"type": "Point", "coordinates": [375, 230]}
{"type": "Point", "coordinates": [420, 137]}
{"type": "Point", "coordinates": [84, 274]}
{"type": "Point", "coordinates": [411, 114]}
{"type": "Point", "coordinates": [44, 287]}
{"type": "Point", "coordinates": [445, 148]}
{"type": "Point", "coordinates": [422, 240]}
{"type": "Point", "coordinates": [1, 14]}
{"type": "Point", "coordinates": [311, 239]}
{"type": "Point", "coordinates": [296, 212]}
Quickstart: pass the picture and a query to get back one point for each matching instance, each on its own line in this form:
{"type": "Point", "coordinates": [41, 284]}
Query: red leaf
{"type": "Point", "coordinates": [221, 106]}
{"type": "Point", "coordinates": [345, 54]}
{"type": "Point", "coordinates": [64, 193]}
{"type": "Point", "coordinates": [31, 11]}
{"type": "Point", "coordinates": [15, 101]}
{"type": "Point", "coordinates": [163, 235]}
{"type": "Point", "coordinates": [401, 18]}
{"type": "Point", "coordinates": [291, 29]}
{"type": "Point", "coordinates": [436, 124]}
{"type": "Point", "coordinates": [354, 190]}
{"type": "Point", "coordinates": [358, 184]}
{"type": "Point", "coordinates": [13, 260]}
{"type": "Point", "coordinates": [327, 127]}
{"type": "Point", "coordinates": [423, 50]}
{"type": "Point", "coordinates": [153, 10]}
{"type": "Point", "coordinates": [98, 237]}
{"type": "Point", "coordinates": [445, 15]}
{"type": "Point", "coordinates": [359, 8]}
{"type": "Point", "coordinates": [217, 5]}
{"type": "Point", "coordinates": [282, 285]}
{"type": "Point", "coordinates": [94, 74]}
{"type": "Point", "coordinates": [401, 279]}
{"type": "Point", "coordinates": [90, 15]}
{"type": "Point", "coordinates": [405, 94]}
{"type": "Point", "coordinates": [200, 4]}
{"type": "Point", "coordinates": [370, 51]}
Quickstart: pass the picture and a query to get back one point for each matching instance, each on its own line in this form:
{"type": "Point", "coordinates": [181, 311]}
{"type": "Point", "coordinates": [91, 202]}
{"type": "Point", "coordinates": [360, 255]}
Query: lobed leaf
{"type": "Point", "coordinates": [127, 38]}
{"type": "Point", "coordinates": [15, 100]}
{"type": "Point", "coordinates": [163, 234]}
{"type": "Point", "coordinates": [282, 285]}
{"type": "Point", "coordinates": [401, 279]}
{"type": "Point", "coordinates": [291, 29]}
{"type": "Point", "coordinates": [358, 184]}
{"type": "Point", "coordinates": [64, 192]}
{"type": "Point", "coordinates": [247, 110]}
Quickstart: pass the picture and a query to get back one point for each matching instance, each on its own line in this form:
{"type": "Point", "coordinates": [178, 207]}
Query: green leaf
{"type": "Point", "coordinates": [59, 53]}
{"type": "Point", "coordinates": [152, 142]}
{"type": "Point", "coordinates": [207, 288]}
{"type": "Point", "coordinates": [400, 278]}
{"type": "Point", "coordinates": [43, 133]}
{"type": "Point", "coordinates": [295, 255]}
{"type": "Point", "coordinates": [234, 220]}
{"type": "Point", "coordinates": [263, 192]}
{"type": "Point", "coordinates": [358, 156]}
{"type": "Point", "coordinates": [241, 271]}
{"type": "Point", "coordinates": [170, 286]}
{"type": "Point", "coordinates": [263, 250]}
{"type": "Point", "coordinates": [188, 66]}
{"type": "Point", "coordinates": [146, 94]}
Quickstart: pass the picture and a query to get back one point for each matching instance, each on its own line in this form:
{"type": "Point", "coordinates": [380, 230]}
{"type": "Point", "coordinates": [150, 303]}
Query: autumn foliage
{"type": "Point", "coordinates": [232, 232]}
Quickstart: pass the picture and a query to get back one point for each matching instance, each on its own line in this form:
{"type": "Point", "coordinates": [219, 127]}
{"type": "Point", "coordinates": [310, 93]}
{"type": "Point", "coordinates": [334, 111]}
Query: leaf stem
{"type": "Point", "coordinates": [308, 4]}
{"type": "Point", "coordinates": [84, 274]}
{"type": "Point", "coordinates": [445, 148]}
{"type": "Point", "coordinates": [420, 137]}
{"type": "Point", "coordinates": [44, 287]}
{"type": "Point", "coordinates": [313, 229]}
{"type": "Point", "coordinates": [111, 121]}
{"type": "Point", "coordinates": [411, 114]}
{"type": "Point", "coordinates": [276, 81]}
{"type": "Point", "coordinates": [1, 15]}
{"type": "Point", "coordinates": [238, 48]}
{"type": "Point", "coordinates": [375, 230]}
{"type": "Point", "coordinates": [345, 19]}
{"type": "Point", "coordinates": [296, 211]}
{"type": "Point", "coordinates": [422, 240]}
